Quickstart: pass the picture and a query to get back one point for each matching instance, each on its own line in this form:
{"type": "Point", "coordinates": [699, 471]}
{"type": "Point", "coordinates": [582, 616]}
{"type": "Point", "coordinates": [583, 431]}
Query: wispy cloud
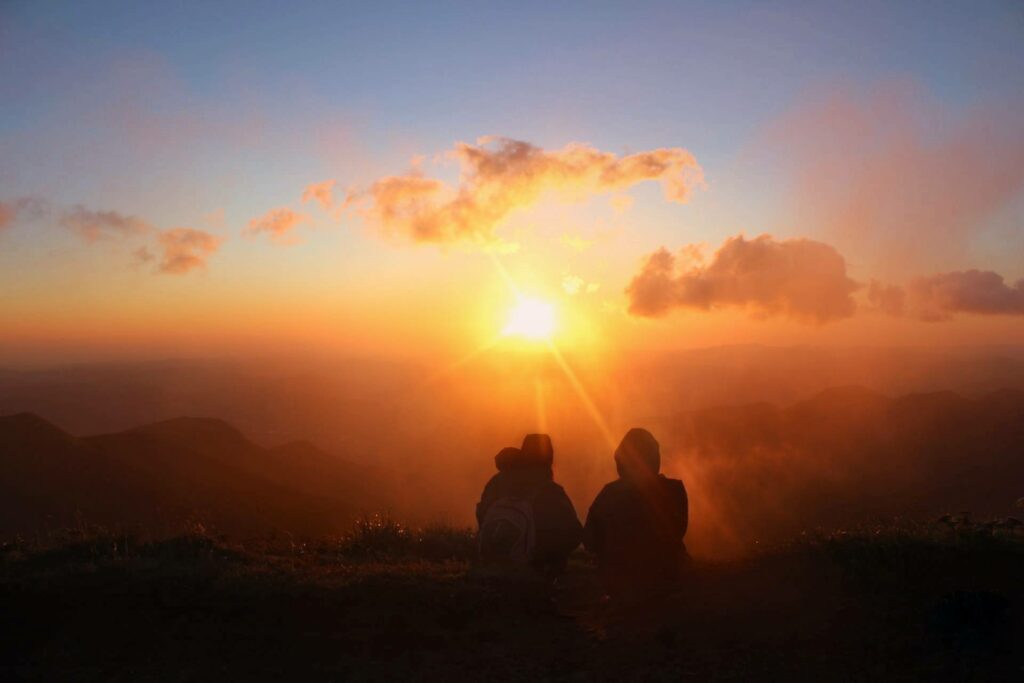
{"type": "Point", "coordinates": [184, 249]}
{"type": "Point", "coordinates": [322, 193]}
{"type": "Point", "coordinates": [94, 226]}
{"type": "Point", "coordinates": [22, 209]}
{"type": "Point", "coordinates": [278, 224]}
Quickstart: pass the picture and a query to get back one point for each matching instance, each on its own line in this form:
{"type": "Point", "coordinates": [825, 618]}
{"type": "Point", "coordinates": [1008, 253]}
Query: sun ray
{"type": "Point", "coordinates": [584, 395]}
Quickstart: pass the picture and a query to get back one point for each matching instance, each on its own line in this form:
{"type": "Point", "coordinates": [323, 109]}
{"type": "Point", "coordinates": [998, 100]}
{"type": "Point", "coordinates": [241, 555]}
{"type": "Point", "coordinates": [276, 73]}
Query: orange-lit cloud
{"type": "Point", "coordinates": [93, 226]}
{"type": "Point", "coordinates": [798, 278]}
{"type": "Point", "coordinates": [22, 208]}
{"type": "Point", "coordinates": [885, 174]}
{"type": "Point", "coordinates": [7, 215]}
{"type": "Point", "coordinates": [142, 255]}
{"type": "Point", "coordinates": [938, 297]}
{"type": "Point", "coordinates": [890, 299]}
{"type": "Point", "coordinates": [322, 193]}
{"type": "Point", "coordinates": [499, 176]}
{"type": "Point", "coordinates": [184, 249]}
{"type": "Point", "coordinates": [278, 223]}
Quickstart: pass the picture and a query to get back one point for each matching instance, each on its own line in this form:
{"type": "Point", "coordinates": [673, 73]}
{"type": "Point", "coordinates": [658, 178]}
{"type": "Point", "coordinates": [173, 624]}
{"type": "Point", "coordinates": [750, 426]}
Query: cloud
{"type": "Point", "coordinates": [574, 284]}
{"type": "Point", "coordinates": [500, 176]}
{"type": "Point", "coordinates": [184, 249]}
{"type": "Point", "coordinates": [322, 193]}
{"type": "Point", "coordinates": [889, 299]}
{"type": "Point", "coordinates": [576, 242]}
{"type": "Point", "coordinates": [7, 215]}
{"type": "Point", "coordinates": [798, 278]}
{"type": "Point", "coordinates": [278, 223]}
{"type": "Point", "coordinates": [891, 178]}
{"type": "Point", "coordinates": [142, 255]}
{"type": "Point", "coordinates": [22, 209]}
{"type": "Point", "coordinates": [93, 226]}
{"type": "Point", "coordinates": [938, 297]}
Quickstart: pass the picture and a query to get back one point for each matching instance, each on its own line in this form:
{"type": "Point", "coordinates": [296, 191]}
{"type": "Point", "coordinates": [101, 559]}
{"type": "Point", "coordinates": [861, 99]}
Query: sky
{"type": "Point", "coordinates": [224, 178]}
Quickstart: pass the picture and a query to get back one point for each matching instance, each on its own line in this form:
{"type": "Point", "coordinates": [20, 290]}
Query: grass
{"type": "Point", "coordinates": [903, 601]}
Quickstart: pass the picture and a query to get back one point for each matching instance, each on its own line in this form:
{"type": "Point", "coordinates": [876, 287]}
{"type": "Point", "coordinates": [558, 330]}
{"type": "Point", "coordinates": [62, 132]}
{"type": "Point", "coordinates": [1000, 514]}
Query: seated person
{"type": "Point", "coordinates": [637, 522]}
{"type": "Point", "coordinates": [524, 517]}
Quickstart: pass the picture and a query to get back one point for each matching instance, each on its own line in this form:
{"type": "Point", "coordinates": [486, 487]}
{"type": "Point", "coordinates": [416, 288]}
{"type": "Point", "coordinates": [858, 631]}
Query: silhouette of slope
{"type": "Point", "coordinates": [172, 471]}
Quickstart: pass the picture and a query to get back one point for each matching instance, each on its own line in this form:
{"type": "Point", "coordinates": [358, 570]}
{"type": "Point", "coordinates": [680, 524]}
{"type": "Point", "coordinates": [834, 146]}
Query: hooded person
{"type": "Point", "coordinates": [524, 517]}
{"type": "Point", "coordinates": [637, 523]}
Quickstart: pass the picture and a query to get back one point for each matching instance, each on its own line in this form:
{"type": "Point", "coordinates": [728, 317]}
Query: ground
{"type": "Point", "coordinates": [906, 602]}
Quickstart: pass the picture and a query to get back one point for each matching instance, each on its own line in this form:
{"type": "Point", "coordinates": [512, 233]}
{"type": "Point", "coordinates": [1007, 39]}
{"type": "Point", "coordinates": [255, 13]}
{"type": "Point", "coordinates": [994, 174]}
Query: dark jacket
{"type": "Point", "coordinates": [557, 528]}
{"type": "Point", "coordinates": [636, 530]}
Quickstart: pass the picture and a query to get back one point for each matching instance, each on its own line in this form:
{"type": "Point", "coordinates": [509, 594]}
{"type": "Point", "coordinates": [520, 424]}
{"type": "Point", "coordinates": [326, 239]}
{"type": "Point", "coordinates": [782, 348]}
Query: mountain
{"type": "Point", "coordinates": [167, 473]}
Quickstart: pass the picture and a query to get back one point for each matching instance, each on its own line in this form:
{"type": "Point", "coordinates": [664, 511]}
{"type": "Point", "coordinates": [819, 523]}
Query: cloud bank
{"type": "Point", "coordinates": [938, 297]}
{"type": "Point", "coordinates": [499, 176]}
{"type": "Point", "coordinates": [797, 278]}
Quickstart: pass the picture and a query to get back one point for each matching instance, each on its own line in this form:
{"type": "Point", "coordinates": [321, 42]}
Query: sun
{"type": "Point", "coordinates": [532, 319]}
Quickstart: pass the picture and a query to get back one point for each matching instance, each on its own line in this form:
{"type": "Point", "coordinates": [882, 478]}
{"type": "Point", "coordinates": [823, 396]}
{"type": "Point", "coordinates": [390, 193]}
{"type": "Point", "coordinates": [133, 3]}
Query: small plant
{"type": "Point", "coordinates": [381, 536]}
{"type": "Point", "coordinates": [378, 535]}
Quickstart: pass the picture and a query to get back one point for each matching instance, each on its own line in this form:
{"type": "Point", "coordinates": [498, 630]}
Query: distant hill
{"type": "Point", "coordinates": [164, 474]}
{"type": "Point", "coordinates": [756, 473]}
{"type": "Point", "coordinates": [845, 456]}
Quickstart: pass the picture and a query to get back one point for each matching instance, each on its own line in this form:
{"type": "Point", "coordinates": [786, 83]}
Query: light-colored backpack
{"type": "Point", "coordinates": [508, 532]}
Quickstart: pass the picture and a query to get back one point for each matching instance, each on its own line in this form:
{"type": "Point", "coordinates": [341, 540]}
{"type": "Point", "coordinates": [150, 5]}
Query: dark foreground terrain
{"type": "Point", "coordinates": [906, 602]}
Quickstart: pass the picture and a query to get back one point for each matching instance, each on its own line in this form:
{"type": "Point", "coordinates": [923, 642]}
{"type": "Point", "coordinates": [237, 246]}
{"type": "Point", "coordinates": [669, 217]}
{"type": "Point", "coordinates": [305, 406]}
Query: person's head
{"type": "Point", "coordinates": [507, 458]}
{"type": "Point", "coordinates": [537, 450]}
{"type": "Point", "coordinates": [638, 455]}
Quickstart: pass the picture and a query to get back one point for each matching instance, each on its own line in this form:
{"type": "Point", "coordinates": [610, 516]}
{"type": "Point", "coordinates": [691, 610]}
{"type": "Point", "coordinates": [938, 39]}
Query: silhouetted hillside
{"type": "Point", "coordinates": [164, 474]}
{"type": "Point", "coordinates": [756, 473]}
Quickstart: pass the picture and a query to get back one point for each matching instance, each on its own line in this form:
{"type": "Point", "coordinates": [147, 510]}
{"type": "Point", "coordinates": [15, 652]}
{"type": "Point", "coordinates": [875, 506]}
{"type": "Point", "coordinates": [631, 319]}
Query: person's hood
{"type": "Point", "coordinates": [507, 458]}
{"type": "Point", "coordinates": [537, 450]}
{"type": "Point", "coordinates": [638, 456]}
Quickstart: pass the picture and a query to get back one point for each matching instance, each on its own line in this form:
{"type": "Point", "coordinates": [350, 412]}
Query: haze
{"type": "Point", "coordinates": [412, 235]}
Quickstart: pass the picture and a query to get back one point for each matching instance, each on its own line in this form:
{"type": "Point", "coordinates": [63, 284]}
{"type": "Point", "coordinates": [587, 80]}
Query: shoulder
{"type": "Point", "coordinates": [611, 491]}
{"type": "Point", "coordinates": [674, 486]}
{"type": "Point", "coordinates": [550, 488]}
{"type": "Point", "coordinates": [495, 482]}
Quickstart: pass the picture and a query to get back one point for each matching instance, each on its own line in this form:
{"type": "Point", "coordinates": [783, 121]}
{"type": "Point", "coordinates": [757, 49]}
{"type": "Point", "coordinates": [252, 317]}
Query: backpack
{"type": "Point", "coordinates": [508, 532]}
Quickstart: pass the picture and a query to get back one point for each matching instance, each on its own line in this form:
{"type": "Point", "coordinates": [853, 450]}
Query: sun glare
{"type": "Point", "coordinates": [530, 319]}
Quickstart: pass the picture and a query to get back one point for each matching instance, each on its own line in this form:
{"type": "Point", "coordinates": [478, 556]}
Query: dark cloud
{"type": "Point", "coordinates": [798, 278]}
{"type": "Point", "coordinates": [983, 292]}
